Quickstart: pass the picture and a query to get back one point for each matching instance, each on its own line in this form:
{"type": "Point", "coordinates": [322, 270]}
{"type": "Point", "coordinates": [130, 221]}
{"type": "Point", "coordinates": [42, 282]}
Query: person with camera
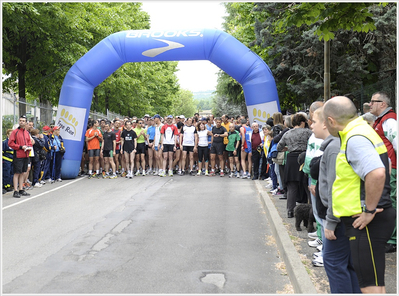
{"type": "Point", "coordinates": [58, 150]}
{"type": "Point", "coordinates": [37, 157]}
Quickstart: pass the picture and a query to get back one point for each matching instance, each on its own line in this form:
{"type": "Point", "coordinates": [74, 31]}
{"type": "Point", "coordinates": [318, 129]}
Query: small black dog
{"type": "Point", "coordinates": [304, 212]}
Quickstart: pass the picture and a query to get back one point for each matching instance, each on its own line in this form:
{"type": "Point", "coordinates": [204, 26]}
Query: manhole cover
{"type": "Point", "coordinates": [217, 279]}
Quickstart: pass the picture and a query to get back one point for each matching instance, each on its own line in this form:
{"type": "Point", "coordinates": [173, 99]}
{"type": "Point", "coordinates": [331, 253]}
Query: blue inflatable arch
{"type": "Point", "coordinates": [107, 56]}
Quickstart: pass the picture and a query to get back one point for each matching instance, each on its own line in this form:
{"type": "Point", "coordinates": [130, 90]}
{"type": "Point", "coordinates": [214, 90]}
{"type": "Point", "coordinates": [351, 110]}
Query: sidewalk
{"type": "Point", "coordinates": [297, 255]}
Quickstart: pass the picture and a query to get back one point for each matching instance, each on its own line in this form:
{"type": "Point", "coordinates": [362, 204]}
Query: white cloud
{"type": "Point", "coordinates": [192, 75]}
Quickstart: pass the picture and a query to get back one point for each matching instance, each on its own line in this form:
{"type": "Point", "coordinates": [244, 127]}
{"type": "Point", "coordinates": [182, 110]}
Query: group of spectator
{"type": "Point", "coordinates": [345, 166]}
{"type": "Point", "coordinates": [31, 158]}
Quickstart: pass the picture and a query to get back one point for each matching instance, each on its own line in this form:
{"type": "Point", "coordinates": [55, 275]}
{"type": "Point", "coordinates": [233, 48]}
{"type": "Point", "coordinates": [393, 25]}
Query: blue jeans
{"type": "Point", "coordinates": [273, 175]}
{"type": "Point", "coordinates": [338, 263]}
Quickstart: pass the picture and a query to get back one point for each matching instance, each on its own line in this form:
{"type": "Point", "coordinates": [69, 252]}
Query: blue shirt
{"type": "Point", "coordinates": [151, 132]}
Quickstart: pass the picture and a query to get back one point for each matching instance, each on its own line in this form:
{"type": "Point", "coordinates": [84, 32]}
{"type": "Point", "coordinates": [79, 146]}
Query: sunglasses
{"type": "Point", "coordinates": [375, 101]}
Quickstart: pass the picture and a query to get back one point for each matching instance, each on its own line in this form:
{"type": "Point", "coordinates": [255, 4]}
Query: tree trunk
{"type": "Point", "coordinates": [21, 76]}
{"type": "Point", "coordinates": [46, 112]}
{"type": "Point", "coordinates": [327, 86]}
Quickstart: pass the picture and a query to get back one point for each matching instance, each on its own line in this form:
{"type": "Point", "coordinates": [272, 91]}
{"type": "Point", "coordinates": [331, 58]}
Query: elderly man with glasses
{"type": "Point", "coordinates": [386, 127]}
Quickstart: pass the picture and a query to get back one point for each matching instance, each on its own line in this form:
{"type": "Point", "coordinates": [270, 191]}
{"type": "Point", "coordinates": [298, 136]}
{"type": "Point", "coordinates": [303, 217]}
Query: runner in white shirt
{"type": "Point", "coordinates": [189, 140]}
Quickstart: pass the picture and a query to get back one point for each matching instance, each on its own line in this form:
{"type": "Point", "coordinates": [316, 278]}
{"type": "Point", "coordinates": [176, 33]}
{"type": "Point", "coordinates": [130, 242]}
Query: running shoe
{"type": "Point", "coordinates": [231, 175]}
{"type": "Point", "coordinates": [318, 262]}
{"type": "Point", "coordinates": [244, 175]}
{"type": "Point", "coordinates": [212, 173]}
{"type": "Point", "coordinates": [114, 176]}
{"type": "Point", "coordinates": [317, 254]}
{"type": "Point", "coordinates": [221, 174]}
{"type": "Point", "coordinates": [312, 235]}
{"type": "Point", "coordinates": [315, 243]}
{"type": "Point", "coordinates": [199, 173]}
{"type": "Point", "coordinates": [124, 174]}
{"type": "Point", "coordinates": [138, 173]}
{"type": "Point", "coordinates": [143, 174]}
{"type": "Point", "coordinates": [206, 173]}
{"type": "Point", "coordinates": [248, 176]}
{"type": "Point", "coordinates": [319, 248]}
{"type": "Point", "coordinates": [170, 173]}
{"type": "Point", "coordinates": [103, 173]}
{"type": "Point", "coordinates": [38, 185]}
{"type": "Point", "coordinates": [162, 174]}
{"type": "Point", "coordinates": [59, 180]}
{"type": "Point", "coordinates": [180, 173]}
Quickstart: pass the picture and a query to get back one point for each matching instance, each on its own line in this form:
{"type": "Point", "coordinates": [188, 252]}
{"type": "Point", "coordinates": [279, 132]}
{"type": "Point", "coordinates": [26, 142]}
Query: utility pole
{"type": "Point", "coordinates": [327, 85]}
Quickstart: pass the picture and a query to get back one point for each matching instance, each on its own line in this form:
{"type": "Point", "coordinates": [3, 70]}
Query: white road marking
{"type": "Point", "coordinates": [33, 197]}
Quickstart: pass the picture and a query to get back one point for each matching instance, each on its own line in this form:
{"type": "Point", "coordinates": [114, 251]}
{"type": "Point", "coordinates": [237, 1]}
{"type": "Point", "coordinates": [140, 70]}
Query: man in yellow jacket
{"type": "Point", "coordinates": [360, 194]}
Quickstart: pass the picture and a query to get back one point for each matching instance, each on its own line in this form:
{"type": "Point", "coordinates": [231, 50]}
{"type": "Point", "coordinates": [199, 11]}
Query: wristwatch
{"type": "Point", "coordinates": [365, 210]}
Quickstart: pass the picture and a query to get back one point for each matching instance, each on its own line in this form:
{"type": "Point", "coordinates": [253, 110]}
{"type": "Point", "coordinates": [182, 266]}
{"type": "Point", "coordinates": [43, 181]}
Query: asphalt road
{"type": "Point", "coordinates": [146, 235]}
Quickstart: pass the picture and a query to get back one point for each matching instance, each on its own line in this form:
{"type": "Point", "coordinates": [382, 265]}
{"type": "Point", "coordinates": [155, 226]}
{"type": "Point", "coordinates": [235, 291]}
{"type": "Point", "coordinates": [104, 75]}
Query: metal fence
{"type": "Point", "coordinates": [40, 113]}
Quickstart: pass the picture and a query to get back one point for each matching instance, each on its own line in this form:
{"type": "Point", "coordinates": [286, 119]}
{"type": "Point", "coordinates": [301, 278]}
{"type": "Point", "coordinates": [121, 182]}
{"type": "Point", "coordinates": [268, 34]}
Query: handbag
{"type": "Point", "coordinates": [279, 158]}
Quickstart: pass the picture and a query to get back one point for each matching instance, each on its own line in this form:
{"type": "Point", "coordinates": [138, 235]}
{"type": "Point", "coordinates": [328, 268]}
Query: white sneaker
{"type": "Point", "coordinates": [42, 182]}
{"type": "Point", "coordinates": [59, 180]}
{"type": "Point", "coordinates": [319, 248]}
{"type": "Point", "coordinates": [38, 185]}
{"type": "Point", "coordinates": [48, 180]}
{"type": "Point", "coordinates": [312, 235]}
{"type": "Point", "coordinates": [143, 173]}
{"type": "Point", "coordinates": [318, 262]}
{"type": "Point", "coordinates": [315, 243]}
{"type": "Point", "coordinates": [317, 254]}
{"type": "Point", "coordinates": [138, 173]}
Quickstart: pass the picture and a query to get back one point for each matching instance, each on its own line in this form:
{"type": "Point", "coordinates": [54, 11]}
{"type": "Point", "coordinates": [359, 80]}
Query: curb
{"type": "Point", "coordinates": [297, 273]}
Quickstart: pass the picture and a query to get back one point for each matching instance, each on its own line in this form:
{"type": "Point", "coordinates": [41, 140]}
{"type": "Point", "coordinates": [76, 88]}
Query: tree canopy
{"type": "Point", "coordinates": [287, 36]}
{"type": "Point", "coordinates": [41, 41]}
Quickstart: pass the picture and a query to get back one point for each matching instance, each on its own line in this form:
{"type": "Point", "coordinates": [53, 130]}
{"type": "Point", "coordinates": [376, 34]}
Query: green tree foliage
{"type": "Point", "coordinates": [183, 104]}
{"type": "Point", "coordinates": [285, 36]}
{"type": "Point", "coordinates": [41, 41]}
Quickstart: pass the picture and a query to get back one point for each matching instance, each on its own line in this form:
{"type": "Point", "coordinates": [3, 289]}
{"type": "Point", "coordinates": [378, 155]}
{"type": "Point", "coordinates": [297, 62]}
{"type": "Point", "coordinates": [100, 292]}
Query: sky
{"type": "Point", "coordinates": [193, 75]}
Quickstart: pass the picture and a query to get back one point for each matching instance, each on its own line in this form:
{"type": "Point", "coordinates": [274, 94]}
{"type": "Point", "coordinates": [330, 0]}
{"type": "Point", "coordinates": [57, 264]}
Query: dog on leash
{"type": "Point", "coordinates": [304, 212]}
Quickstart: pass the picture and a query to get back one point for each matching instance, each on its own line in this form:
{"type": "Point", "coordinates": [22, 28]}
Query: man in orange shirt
{"type": "Point", "coordinates": [93, 138]}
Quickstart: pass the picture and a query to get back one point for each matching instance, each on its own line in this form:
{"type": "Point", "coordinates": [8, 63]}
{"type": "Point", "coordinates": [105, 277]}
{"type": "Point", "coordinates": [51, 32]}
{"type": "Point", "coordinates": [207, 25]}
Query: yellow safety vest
{"type": "Point", "coordinates": [347, 187]}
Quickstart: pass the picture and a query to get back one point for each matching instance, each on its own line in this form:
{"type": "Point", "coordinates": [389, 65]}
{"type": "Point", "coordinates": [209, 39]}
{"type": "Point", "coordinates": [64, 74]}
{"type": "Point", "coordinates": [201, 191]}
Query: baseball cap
{"type": "Point", "coordinates": [170, 116]}
{"type": "Point", "coordinates": [46, 128]}
{"type": "Point", "coordinates": [182, 117]}
{"type": "Point", "coordinates": [56, 128]}
{"type": "Point", "coordinates": [157, 116]}
{"type": "Point", "coordinates": [147, 115]}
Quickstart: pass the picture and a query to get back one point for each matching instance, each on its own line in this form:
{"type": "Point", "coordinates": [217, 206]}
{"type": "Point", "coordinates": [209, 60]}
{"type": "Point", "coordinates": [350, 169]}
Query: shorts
{"type": "Point", "coordinates": [188, 148]}
{"type": "Point", "coordinates": [168, 147]}
{"type": "Point", "coordinates": [107, 153]}
{"type": "Point", "coordinates": [140, 148]}
{"type": "Point", "coordinates": [230, 154]}
{"type": "Point", "coordinates": [20, 165]}
{"type": "Point", "coordinates": [117, 152]}
{"type": "Point", "coordinates": [217, 148]}
{"type": "Point", "coordinates": [94, 152]}
{"type": "Point", "coordinates": [368, 246]}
